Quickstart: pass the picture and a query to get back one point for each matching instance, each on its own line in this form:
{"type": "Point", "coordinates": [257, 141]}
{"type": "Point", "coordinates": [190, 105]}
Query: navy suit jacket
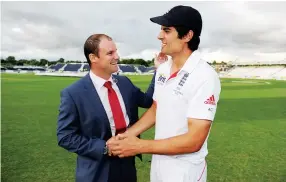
{"type": "Point", "coordinates": [83, 126]}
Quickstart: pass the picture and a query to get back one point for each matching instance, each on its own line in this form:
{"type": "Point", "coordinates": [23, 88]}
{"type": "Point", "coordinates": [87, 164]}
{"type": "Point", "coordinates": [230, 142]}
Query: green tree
{"type": "Point", "coordinates": [43, 62]}
{"type": "Point", "coordinates": [3, 61]}
{"type": "Point", "coordinates": [139, 61]}
{"type": "Point", "coordinates": [21, 62]}
{"type": "Point", "coordinates": [150, 63]}
{"type": "Point", "coordinates": [11, 60]}
{"type": "Point", "coordinates": [61, 60]}
{"type": "Point", "coordinates": [33, 62]}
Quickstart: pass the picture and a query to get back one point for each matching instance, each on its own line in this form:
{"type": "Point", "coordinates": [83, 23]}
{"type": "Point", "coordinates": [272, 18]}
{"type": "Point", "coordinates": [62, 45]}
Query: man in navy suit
{"type": "Point", "coordinates": [95, 109]}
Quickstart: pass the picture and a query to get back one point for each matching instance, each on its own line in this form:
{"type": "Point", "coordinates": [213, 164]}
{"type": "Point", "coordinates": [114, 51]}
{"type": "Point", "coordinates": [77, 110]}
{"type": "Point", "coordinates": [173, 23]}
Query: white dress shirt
{"type": "Point", "coordinates": [103, 95]}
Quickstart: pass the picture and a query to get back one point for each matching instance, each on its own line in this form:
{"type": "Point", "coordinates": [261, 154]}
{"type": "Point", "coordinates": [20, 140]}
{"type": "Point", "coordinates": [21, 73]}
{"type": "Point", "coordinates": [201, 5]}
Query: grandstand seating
{"type": "Point", "coordinates": [263, 72]}
{"type": "Point", "coordinates": [280, 74]}
{"type": "Point", "coordinates": [86, 67]}
{"type": "Point", "coordinates": [32, 69]}
{"type": "Point", "coordinates": [72, 67]}
{"type": "Point", "coordinates": [83, 67]}
{"type": "Point", "coordinates": [127, 68]}
{"type": "Point", "coordinates": [80, 69]}
{"type": "Point", "coordinates": [56, 67]}
{"type": "Point", "coordinates": [239, 71]}
{"type": "Point", "coordinates": [144, 69]}
{"type": "Point", "coordinates": [141, 68]}
{"type": "Point", "coordinates": [150, 69]}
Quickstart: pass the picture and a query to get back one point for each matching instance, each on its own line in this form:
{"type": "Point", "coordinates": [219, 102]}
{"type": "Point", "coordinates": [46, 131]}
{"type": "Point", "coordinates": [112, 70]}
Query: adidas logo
{"type": "Point", "coordinates": [210, 100]}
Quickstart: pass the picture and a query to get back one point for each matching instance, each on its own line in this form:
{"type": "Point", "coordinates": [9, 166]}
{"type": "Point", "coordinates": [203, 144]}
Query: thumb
{"type": "Point", "coordinates": [122, 136]}
{"type": "Point", "coordinates": [119, 137]}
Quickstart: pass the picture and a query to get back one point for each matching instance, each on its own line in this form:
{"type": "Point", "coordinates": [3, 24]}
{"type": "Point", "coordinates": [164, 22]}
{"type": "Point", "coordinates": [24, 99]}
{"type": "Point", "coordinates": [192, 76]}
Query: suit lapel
{"type": "Point", "coordinates": [93, 97]}
{"type": "Point", "coordinates": [125, 94]}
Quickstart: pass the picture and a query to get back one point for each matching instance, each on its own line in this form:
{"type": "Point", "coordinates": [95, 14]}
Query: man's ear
{"type": "Point", "coordinates": [93, 58]}
{"type": "Point", "coordinates": [189, 36]}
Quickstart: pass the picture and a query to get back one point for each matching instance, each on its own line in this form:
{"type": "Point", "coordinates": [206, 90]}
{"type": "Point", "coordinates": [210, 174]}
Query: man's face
{"type": "Point", "coordinates": [171, 44]}
{"type": "Point", "coordinates": [107, 56]}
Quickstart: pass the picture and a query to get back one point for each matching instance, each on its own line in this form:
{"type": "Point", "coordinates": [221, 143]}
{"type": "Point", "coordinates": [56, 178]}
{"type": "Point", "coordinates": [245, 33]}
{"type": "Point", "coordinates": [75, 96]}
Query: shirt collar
{"type": "Point", "coordinates": [98, 81]}
{"type": "Point", "coordinates": [190, 64]}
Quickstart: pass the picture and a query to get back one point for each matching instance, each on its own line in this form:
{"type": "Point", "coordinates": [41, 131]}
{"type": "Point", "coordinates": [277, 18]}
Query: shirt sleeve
{"type": "Point", "coordinates": [204, 103]}
{"type": "Point", "coordinates": [155, 93]}
{"type": "Point", "coordinates": [155, 85]}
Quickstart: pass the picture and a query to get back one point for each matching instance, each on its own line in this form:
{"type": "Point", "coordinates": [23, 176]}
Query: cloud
{"type": "Point", "coordinates": [231, 30]}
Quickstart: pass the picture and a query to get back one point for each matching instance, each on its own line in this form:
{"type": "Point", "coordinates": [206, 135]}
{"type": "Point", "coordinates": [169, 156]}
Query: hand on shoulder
{"type": "Point", "coordinates": [159, 59]}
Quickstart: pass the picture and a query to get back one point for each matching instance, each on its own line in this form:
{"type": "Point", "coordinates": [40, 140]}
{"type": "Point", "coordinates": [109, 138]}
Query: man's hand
{"type": "Point", "coordinates": [114, 138]}
{"type": "Point", "coordinates": [129, 146]}
{"type": "Point", "coordinates": [110, 140]}
{"type": "Point", "coordinates": [122, 135]}
{"type": "Point", "coordinates": [159, 59]}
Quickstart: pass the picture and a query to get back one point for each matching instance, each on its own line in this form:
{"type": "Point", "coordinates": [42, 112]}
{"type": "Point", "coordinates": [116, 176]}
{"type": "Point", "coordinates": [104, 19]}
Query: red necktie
{"type": "Point", "coordinates": [117, 113]}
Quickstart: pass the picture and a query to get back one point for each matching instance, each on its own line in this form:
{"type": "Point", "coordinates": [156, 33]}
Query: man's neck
{"type": "Point", "coordinates": [100, 74]}
{"type": "Point", "coordinates": [179, 60]}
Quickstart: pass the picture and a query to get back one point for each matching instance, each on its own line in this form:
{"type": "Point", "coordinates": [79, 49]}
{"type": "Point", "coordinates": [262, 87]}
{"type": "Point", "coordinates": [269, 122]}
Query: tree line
{"type": "Point", "coordinates": [11, 61]}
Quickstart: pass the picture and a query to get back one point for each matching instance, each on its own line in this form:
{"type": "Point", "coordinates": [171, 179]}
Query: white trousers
{"type": "Point", "coordinates": [171, 169]}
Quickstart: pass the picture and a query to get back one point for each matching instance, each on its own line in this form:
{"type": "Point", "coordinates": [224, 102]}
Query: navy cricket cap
{"type": "Point", "coordinates": [182, 16]}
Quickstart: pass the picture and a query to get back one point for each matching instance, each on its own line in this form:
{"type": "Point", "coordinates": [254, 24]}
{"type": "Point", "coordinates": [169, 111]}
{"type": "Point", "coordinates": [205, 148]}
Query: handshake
{"type": "Point", "coordinates": [124, 145]}
{"type": "Point", "coordinates": [127, 144]}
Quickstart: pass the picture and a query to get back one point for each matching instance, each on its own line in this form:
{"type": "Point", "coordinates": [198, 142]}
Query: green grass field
{"type": "Point", "coordinates": [247, 140]}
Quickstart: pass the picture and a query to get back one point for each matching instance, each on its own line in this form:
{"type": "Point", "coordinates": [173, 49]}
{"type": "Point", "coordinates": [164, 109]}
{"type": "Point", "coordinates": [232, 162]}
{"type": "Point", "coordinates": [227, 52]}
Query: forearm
{"type": "Point", "coordinates": [145, 122]}
{"type": "Point", "coordinates": [83, 146]}
{"type": "Point", "coordinates": [171, 146]}
{"type": "Point", "coordinates": [68, 131]}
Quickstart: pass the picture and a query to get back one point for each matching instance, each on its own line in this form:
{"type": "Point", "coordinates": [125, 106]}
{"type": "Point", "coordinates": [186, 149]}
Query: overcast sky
{"type": "Point", "coordinates": [241, 31]}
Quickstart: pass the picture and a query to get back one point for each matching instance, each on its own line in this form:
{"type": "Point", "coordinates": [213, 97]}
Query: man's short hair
{"type": "Point", "coordinates": [194, 43]}
{"type": "Point", "coordinates": [91, 45]}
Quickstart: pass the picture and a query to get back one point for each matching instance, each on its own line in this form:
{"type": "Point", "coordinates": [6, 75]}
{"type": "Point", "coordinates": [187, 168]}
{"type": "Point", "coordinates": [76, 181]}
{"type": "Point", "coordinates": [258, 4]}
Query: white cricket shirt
{"type": "Point", "coordinates": [192, 93]}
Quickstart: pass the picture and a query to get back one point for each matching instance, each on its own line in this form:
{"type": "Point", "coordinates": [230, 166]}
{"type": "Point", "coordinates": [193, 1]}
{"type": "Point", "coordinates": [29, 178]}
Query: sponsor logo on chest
{"type": "Point", "coordinates": [180, 85]}
{"type": "Point", "coordinates": [161, 80]}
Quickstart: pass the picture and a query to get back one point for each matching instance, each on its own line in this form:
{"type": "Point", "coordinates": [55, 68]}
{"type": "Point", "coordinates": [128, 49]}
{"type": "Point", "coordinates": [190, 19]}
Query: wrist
{"type": "Point", "coordinates": [130, 132]}
{"type": "Point", "coordinates": [143, 146]}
